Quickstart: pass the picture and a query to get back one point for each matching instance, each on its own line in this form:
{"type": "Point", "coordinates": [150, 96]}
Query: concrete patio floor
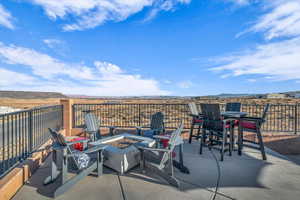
{"type": "Point", "coordinates": [242, 177]}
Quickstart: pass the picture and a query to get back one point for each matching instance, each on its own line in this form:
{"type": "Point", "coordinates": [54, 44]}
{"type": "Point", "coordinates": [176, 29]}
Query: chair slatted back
{"type": "Point", "coordinates": [57, 138]}
{"type": "Point", "coordinates": [212, 116]}
{"type": "Point", "coordinates": [60, 140]}
{"type": "Point", "coordinates": [236, 107]}
{"type": "Point", "coordinates": [175, 135]}
{"type": "Point", "coordinates": [91, 122]}
{"type": "Point", "coordinates": [157, 121]}
{"type": "Point", "coordinates": [265, 112]}
{"type": "Point", "coordinates": [193, 108]}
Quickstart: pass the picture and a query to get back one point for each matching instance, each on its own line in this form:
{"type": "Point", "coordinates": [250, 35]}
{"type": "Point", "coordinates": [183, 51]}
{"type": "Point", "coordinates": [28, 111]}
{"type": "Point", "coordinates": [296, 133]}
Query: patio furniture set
{"type": "Point", "coordinates": [218, 128]}
{"type": "Point", "coordinates": [153, 149]}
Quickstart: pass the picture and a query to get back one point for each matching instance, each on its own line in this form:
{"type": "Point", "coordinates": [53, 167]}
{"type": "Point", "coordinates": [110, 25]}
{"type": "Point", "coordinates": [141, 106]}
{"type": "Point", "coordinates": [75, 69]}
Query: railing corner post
{"type": "Point", "coordinates": [67, 115]}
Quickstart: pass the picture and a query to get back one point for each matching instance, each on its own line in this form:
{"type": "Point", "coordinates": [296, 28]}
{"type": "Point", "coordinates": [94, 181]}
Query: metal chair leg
{"type": "Point", "coordinates": [261, 145]}
{"type": "Point", "coordinates": [191, 132]}
{"type": "Point", "coordinates": [231, 140]}
{"type": "Point", "coordinates": [240, 140]}
{"type": "Point", "coordinates": [198, 132]}
{"type": "Point", "coordinates": [223, 144]}
{"type": "Point", "coordinates": [202, 141]}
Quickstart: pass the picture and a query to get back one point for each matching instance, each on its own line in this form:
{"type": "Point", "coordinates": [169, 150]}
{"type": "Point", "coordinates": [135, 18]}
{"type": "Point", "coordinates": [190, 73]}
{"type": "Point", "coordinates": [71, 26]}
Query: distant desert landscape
{"type": "Point", "coordinates": [34, 102]}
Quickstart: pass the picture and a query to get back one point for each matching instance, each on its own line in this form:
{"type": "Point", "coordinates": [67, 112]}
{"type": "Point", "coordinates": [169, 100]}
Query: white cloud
{"type": "Point", "coordinates": [52, 43]}
{"type": "Point", "coordinates": [275, 61]}
{"type": "Point", "coordinates": [50, 75]}
{"type": "Point", "coordinates": [282, 19]}
{"type": "Point", "coordinates": [6, 18]}
{"type": "Point", "coordinates": [185, 84]}
{"type": "Point", "coordinates": [41, 64]}
{"type": "Point", "coordinates": [108, 69]}
{"type": "Point", "coordinates": [8, 78]}
{"type": "Point", "coordinates": [164, 5]}
{"type": "Point", "coordinates": [114, 81]}
{"type": "Point", "coordinates": [92, 13]}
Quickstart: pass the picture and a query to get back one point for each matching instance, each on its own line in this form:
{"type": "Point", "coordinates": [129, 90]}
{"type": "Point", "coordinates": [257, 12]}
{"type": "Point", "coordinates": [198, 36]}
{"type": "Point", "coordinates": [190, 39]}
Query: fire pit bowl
{"type": "Point", "coordinates": [120, 154]}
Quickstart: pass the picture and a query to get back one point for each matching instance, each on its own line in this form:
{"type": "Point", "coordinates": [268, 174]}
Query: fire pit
{"type": "Point", "coordinates": [120, 154]}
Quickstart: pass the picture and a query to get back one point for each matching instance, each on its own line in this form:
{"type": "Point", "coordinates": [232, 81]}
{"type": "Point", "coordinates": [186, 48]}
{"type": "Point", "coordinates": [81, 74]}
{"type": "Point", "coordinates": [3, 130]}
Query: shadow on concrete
{"type": "Point", "coordinates": [36, 181]}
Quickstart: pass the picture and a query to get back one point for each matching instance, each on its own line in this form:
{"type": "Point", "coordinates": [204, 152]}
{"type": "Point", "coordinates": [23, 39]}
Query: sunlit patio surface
{"type": "Point", "coordinates": [242, 177]}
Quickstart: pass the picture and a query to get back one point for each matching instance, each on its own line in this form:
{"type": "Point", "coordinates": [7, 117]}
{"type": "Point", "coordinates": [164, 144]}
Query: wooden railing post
{"type": "Point", "coordinates": [67, 115]}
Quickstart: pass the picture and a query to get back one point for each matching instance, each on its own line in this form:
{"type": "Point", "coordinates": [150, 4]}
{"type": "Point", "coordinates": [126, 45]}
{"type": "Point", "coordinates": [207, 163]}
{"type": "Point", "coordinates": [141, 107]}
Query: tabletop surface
{"type": "Point", "coordinates": [234, 113]}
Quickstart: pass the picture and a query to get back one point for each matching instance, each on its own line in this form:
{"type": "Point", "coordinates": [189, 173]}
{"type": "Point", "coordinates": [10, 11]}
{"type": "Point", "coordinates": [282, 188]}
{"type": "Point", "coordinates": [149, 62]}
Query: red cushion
{"type": "Point", "coordinates": [79, 145]}
{"type": "Point", "coordinates": [198, 121]}
{"type": "Point", "coordinates": [248, 125]}
{"type": "Point", "coordinates": [165, 143]}
{"type": "Point", "coordinates": [236, 122]}
{"type": "Point", "coordinates": [227, 126]}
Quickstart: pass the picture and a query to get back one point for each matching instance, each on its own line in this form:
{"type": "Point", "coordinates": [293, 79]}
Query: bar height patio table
{"type": "Point", "coordinates": [234, 115]}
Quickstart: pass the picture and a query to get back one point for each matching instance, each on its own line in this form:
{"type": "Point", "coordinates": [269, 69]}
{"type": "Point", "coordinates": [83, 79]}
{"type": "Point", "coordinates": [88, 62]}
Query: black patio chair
{"type": "Point", "coordinates": [160, 160]}
{"type": "Point", "coordinates": [92, 126]}
{"type": "Point", "coordinates": [253, 125]}
{"type": "Point", "coordinates": [235, 107]}
{"type": "Point", "coordinates": [82, 163]}
{"type": "Point", "coordinates": [216, 129]}
{"type": "Point", "coordinates": [157, 126]}
{"type": "Point", "coordinates": [197, 120]}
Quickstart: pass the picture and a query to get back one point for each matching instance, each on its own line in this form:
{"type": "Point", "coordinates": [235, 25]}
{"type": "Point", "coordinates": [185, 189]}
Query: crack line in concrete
{"type": "Point", "coordinates": [209, 190]}
{"type": "Point", "coordinates": [122, 189]}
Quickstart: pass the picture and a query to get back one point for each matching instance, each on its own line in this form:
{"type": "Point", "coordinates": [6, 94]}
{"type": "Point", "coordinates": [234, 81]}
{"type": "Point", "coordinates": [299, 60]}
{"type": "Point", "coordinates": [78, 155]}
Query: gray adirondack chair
{"type": "Point", "coordinates": [92, 126]}
{"type": "Point", "coordinates": [156, 126]}
{"type": "Point", "coordinates": [252, 124]}
{"type": "Point", "coordinates": [197, 120]}
{"type": "Point", "coordinates": [160, 160]}
{"type": "Point", "coordinates": [82, 162]}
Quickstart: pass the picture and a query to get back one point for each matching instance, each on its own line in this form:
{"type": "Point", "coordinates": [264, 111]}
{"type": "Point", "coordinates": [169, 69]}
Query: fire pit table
{"type": "Point", "coordinates": [120, 153]}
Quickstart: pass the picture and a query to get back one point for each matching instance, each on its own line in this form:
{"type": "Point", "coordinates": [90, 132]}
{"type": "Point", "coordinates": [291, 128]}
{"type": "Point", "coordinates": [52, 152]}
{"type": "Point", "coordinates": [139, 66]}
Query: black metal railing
{"type": "Point", "coordinates": [23, 132]}
{"type": "Point", "coordinates": [280, 118]}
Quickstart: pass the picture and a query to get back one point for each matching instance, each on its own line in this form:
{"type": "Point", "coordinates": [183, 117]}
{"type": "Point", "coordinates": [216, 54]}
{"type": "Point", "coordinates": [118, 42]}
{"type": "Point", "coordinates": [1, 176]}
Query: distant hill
{"type": "Point", "coordinates": [30, 95]}
{"type": "Point", "coordinates": [127, 97]}
{"type": "Point", "coordinates": [293, 94]}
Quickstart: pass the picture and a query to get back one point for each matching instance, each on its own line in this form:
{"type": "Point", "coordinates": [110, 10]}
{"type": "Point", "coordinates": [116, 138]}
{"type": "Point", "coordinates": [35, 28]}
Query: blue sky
{"type": "Point", "coordinates": [150, 47]}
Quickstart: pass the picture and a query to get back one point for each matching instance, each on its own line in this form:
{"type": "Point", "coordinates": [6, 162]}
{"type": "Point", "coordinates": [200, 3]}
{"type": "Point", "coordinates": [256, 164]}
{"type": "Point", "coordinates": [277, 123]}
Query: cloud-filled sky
{"type": "Point", "coordinates": [150, 47]}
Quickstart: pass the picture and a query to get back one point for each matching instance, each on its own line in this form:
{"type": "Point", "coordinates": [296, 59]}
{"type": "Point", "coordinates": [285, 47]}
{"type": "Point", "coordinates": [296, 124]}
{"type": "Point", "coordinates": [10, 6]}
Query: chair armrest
{"type": "Point", "coordinates": [151, 149]}
{"type": "Point", "coordinates": [77, 141]}
{"type": "Point", "coordinates": [196, 116]}
{"type": "Point", "coordinates": [90, 132]}
{"type": "Point", "coordinates": [231, 119]}
{"type": "Point", "coordinates": [95, 148]}
{"type": "Point", "coordinates": [253, 119]}
{"type": "Point", "coordinates": [161, 137]}
{"type": "Point", "coordinates": [192, 115]}
{"type": "Point", "coordinates": [140, 127]}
